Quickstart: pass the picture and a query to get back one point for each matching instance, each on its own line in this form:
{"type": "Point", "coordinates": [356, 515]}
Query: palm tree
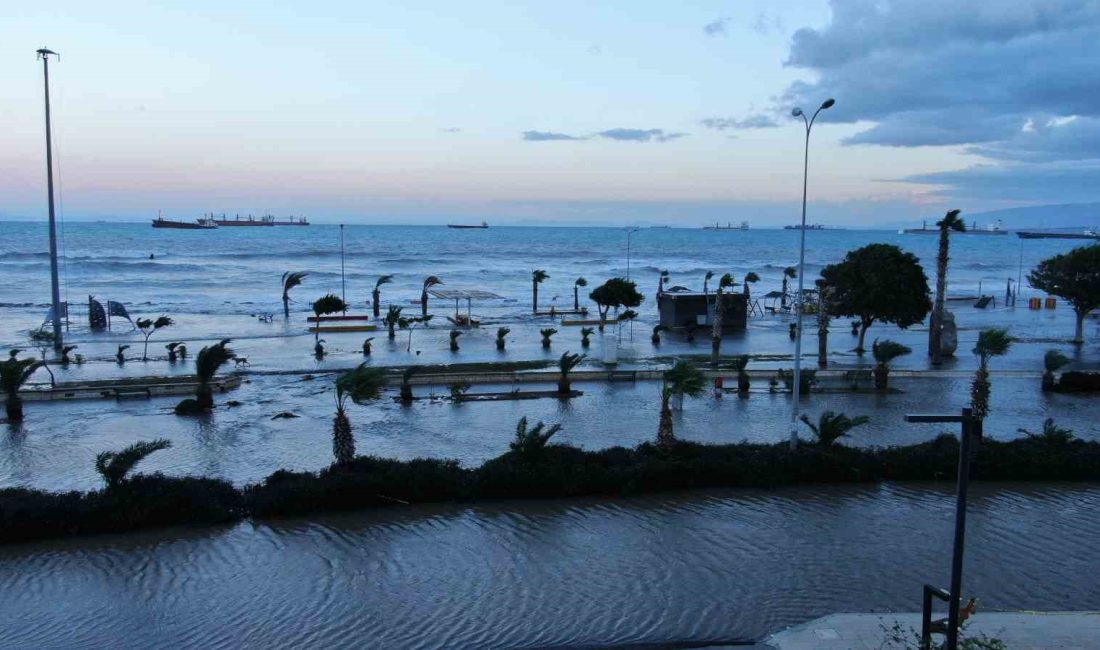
{"type": "Point", "coordinates": [181, 350]}
{"type": "Point", "coordinates": [565, 366]}
{"type": "Point", "coordinates": [585, 333]}
{"type": "Point", "coordinates": [326, 304]}
{"type": "Point", "coordinates": [537, 276]}
{"type": "Point", "coordinates": [13, 374]}
{"type": "Point", "coordinates": [149, 327]}
{"type": "Point", "coordinates": [885, 352]}
{"type": "Point", "coordinates": [546, 334]}
{"type": "Point", "coordinates": [750, 278]}
{"type": "Point", "coordinates": [682, 379]}
{"type": "Point", "coordinates": [529, 445]}
{"type": "Point", "coordinates": [207, 363]}
{"type": "Point", "coordinates": [580, 282]}
{"type": "Point", "coordinates": [120, 354]}
{"type": "Point", "coordinates": [406, 387]}
{"type": "Point", "coordinates": [740, 362]}
{"type": "Point", "coordinates": [950, 221]}
{"type": "Point", "coordinates": [429, 282]}
{"type": "Point", "coordinates": [318, 349]}
{"type": "Point", "coordinates": [376, 294]}
{"type": "Point", "coordinates": [719, 314]}
{"type": "Point", "coordinates": [113, 466]}
{"type": "Point", "coordinates": [1051, 433]}
{"type": "Point", "coordinates": [173, 351]}
{"type": "Point", "coordinates": [362, 385]}
{"type": "Point", "coordinates": [395, 319]}
{"type": "Point", "coordinates": [501, 333]}
{"type": "Point", "coordinates": [706, 281]}
{"type": "Point", "coordinates": [656, 338]}
{"type": "Point", "coordinates": [65, 360]}
{"type": "Point", "coordinates": [454, 339]}
{"type": "Point", "coordinates": [992, 342]}
{"type": "Point", "coordinates": [366, 346]}
{"type": "Point", "coordinates": [290, 280]}
{"type": "Point", "coordinates": [1053, 361]}
{"type": "Point", "coordinates": [832, 426]}
{"type": "Point", "coordinates": [789, 273]}
{"type": "Point", "coordinates": [825, 294]}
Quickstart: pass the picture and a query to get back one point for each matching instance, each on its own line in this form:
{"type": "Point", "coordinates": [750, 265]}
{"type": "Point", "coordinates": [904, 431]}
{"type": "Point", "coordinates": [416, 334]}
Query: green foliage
{"type": "Point", "coordinates": [1053, 361]}
{"type": "Point", "coordinates": [211, 358]}
{"type": "Point", "coordinates": [586, 332]}
{"type": "Point", "coordinates": [580, 282]}
{"type": "Point", "coordinates": [458, 389]}
{"type": "Point", "coordinates": [15, 372]}
{"type": "Point", "coordinates": [361, 385]}
{"type": "Point", "coordinates": [790, 272]}
{"type": "Point", "coordinates": [628, 315]}
{"type": "Point", "coordinates": [292, 279]}
{"type": "Point", "coordinates": [113, 466]}
{"type": "Point", "coordinates": [329, 304]}
{"type": "Point", "coordinates": [726, 281]}
{"type": "Point", "coordinates": [831, 426]}
{"type": "Point", "coordinates": [1073, 276]}
{"type": "Point", "coordinates": [431, 281]}
{"type": "Point", "coordinates": [569, 361]}
{"type": "Point", "coordinates": [684, 378]}
{"type": "Point", "coordinates": [383, 279]}
{"type": "Point", "coordinates": [149, 327]}
{"type": "Point", "coordinates": [546, 334]}
{"type": "Point", "coordinates": [1051, 433]}
{"type": "Point", "coordinates": [751, 277]}
{"type": "Point", "coordinates": [528, 445]}
{"type": "Point", "coordinates": [538, 276]}
{"type": "Point", "coordinates": [992, 342]}
{"type": "Point", "coordinates": [502, 332]}
{"type": "Point", "coordinates": [886, 351]}
{"type": "Point", "coordinates": [616, 292]}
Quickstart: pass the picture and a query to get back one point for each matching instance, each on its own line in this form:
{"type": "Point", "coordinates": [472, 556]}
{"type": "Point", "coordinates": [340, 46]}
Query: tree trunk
{"type": "Point", "coordinates": [14, 407]}
{"type": "Point", "coordinates": [603, 315]}
{"type": "Point", "coordinates": [882, 377]}
{"type": "Point", "coordinates": [376, 297]}
{"type": "Point", "coordinates": [665, 435]}
{"type": "Point", "coordinates": [286, 306]}
{"type": "Point", "coordinates": [935, 323]}
{"type": "Point", "coordinates": [500, 344]}
{"type": "Point", "coordinates": [716, 331]}
{"type": "Point", "coordinates": [343, 442]}
{"type": "Point", "coordinates": [564, 385]}
{"type": "Point", "coordinates": [1079, 332]}
{"type": "Point", "coordinates": [783, 298]}
{"type": "Point", "coordinates": [863, 327]}
{"type": "Point", "coordinates": [393, 334]}
{"type": "Point", "coordinates": [406, 392]}
{"type": "Point", "coordinates": [423, 304]}
{"type": "Point", "coordinates": [823, 347]}
{"type": "Point", "coordinates": [205, 396]}
{"type": "Point", "coordinates": [576, 298]}
{"type": "Point", "coordinates": [1048, 382]}
{"type": "Point", "coordinates": [535, 297]}
{"type": "Point", "coordinates": [743, 382]}
{"type": "Point", "coordinates": [979, 393]}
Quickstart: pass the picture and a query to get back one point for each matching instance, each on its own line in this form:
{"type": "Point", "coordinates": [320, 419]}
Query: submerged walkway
{"type": "Point", "coordinates": [1018, 630]}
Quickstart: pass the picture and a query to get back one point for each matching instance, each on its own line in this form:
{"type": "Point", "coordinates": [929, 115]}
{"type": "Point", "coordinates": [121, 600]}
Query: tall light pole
{"type": "Point", "coordinates": [802, 270]}
{"type": "Point", "coordinates": [343, 291]}
{"type": "Point", "coordinates": [55, 286]}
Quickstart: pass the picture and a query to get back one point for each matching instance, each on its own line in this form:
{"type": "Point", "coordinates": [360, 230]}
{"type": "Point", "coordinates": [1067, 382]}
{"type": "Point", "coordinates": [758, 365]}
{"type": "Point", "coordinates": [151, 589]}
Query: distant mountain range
{"type": "Point", "coordinates": [1069, 215]}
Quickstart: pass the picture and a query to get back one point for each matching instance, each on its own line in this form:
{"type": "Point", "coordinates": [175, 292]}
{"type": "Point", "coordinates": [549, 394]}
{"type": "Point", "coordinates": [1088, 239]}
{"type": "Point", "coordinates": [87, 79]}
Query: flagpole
{"type": "Point", "coordinates": [55, 285]}
{"type": "Point", "coordinates": [343, 294]}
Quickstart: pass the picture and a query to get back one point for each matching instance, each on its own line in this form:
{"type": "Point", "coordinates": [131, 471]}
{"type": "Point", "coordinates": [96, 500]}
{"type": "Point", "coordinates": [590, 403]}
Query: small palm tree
{"type": "Point", "coordinates": [740, 362]}
{"type": "Point", "coordinates": [546, 334]}
{"type": "Point", "coordinates": [454, 339]}
{"type": "Point", "coordinates": [537, 277]}
{"type": "Point", "coordinates": [367, 346]}
{"type": "Point", "coordinates": [376, 294]}
{"type": "Point", "coordinates": [173, 351]}
{"type": "Point", "coordinates": [884, 352]}
{"type": "Point", "coordinates": [319, 349]}
{"type": "Point", "coordinates": [789, 273]}
{"type": "Point", "coordinates": [832, 426]}
{"type": "Point", "coordinates": [120, 354]}
{"type": "Point", "coordinates": [725, 282]}
{"type": "Point", "coordinates": [394, 319]}
{"type": "Point", "coordinates": [114, 466]}
{"type": "Point", "coordinates": [429, 282]}
{"type": "Point", "coordinates": [656, 337]}
{"type": "Point", "coordinates": [706, 282]}
{"type": "Point", "coordinates": [181, 350]}
{"type": "Point", "coordinates": [585, 333]}
{"type": "Point", "coordinates": [149, 327]}
{"type": "Point", "coordinates": [1053, 361]}
{"type": "Point", "coordinates": [577, 284]}
{"type": "Point", "coordinates": [1051, 433]}
{"type": "Point", "coordinates": [406, 385]}
{"type": "Point", "coordinates": [501, 333]}
{"type": "Point", "coordinates": [14, 373]}
{"type": "Point", "coordinates": [682, 379]}
{"type": "Point", "coordinates": [565, 366]}
{"type": "Point", "coordinates": [458, 389]}
{"type": "Point", "coordinates": [209, 360]}
{"type": "Point", "coordinates": [951, 222]}
{"type": "Point", "coordinates": [529, 444]}
{"type": "Point", "coordinates": [290, 280]}
{"type": "Point", "coordinates": [992, 342]}
{"type": "Point", "coordinates": [750, 278]}
{"type": "Point", "coordinates": [364, 384]}
{"type": "Point", "coordinates": [326, 304]}
{"type": "Point", "coordinates": [65, 360]}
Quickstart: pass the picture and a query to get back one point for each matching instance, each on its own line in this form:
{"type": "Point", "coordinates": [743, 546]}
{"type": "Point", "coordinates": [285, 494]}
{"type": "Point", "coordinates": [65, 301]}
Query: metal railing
{"type": "Point", "coordinates": [926, 613]}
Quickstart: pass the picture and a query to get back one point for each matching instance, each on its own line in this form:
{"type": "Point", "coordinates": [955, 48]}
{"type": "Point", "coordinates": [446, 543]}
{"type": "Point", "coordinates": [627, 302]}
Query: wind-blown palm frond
{"type": "Point", "coordinates": [1053, 360]}
{"type": "Point", "coordinates": [832, 426]}
{"type": "Point", "coordinates": [431, 281]}
{"type": "Point", "coordinates": [685, 378]}
{"type": "Point", "coordinates": [292, 279]}
{"type": "Point", "coordinates": [538, 276]}
{"type": "Point", "coordinates": [329, 304]}
{"type": "Point", "coordinates": [361, 385]}
{"type": "Point", "coordinates": [886, 350]}
{"type": "Point", "coordinates": [528, 444]}
{"type": "Point", "coordinates": [993, 342]}
{"type": "Point", "coordinates": [385, 279]}
{"type": "Point", "coordinates": [211, 358]}
{"type": "Point", "coordinates": [628, 315]}
{"type": "Point", "coordinates": [502, 332]}
{"type": "Point", "coordinates": [569, 361]}
{"type": "Point", "coordinates": [580, 282]}
{"type": "Point", "coordinates": [790, 272]}
{"type": "Point", "coordinates": [951, 221]}
{"type": "Point", "coordinates": [113, 466]}
{"type": "Point", "coordinates": [15, 372]}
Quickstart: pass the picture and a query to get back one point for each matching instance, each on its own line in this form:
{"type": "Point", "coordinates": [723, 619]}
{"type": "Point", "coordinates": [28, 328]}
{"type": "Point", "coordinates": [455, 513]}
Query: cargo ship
{"type": "Point", "coordinates": [1088, 233]}
{"type": "Point", "coordinates": [464, 226]}
{"type": "Point", "coordinates": [729, 226]}
{"type": "Point", "coordinates": [197, 224]}
{"type": "Point", "coordinates": [991, 229]}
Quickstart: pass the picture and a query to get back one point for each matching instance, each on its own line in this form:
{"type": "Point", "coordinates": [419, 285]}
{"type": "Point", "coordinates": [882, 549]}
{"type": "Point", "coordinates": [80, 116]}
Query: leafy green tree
{"type": "Point", "coordinates": [993, 342]}
{"type": "Point", "coordinates": [680, 380]}
{"type": "Point", "coordinates": [577, 284]}
{"type": "Point", "coordinates": [326, 304]}
{"type": "Point", "coordinates": [114, 466]}
{"type": "Point", "coordinates": [537, 278]}
{"type": "Point", "coordinates": [565, 366]}
{"type": "Point", "coordinates": [1075, 277]}
{"type": "Point", "coordinates": [149, 327]}
{"type": "Point", "coordinates": [13, 374]}
{"type": "Point", "coordinates": [878, 282]}
{"type": "Point", "coordinates": [376, 294]}
{"type": "Point", "coordinates": [361, 385]}
{"type": "Point", "coordinates": [726, 282]}
{"type": "Point", "coordinates": [950, 223]}
{"type": "Point", "coordinates": [884, 352]}
{"type": "Point", "coordinates": [1053, 361]}
{"type": "Point", "coordinates": [832, 426]}
{"type": "Point", "coordinates": [429, 282]}
{"type": "Point", "coordinates": [616, 292]}
{"type": "Point", "coordinates": [529, 445]}
{"type": "Point", "coordinates": [291, 279]}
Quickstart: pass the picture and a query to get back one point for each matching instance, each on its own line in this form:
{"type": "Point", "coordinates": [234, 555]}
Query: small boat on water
{"type": "Point", "coordinates": [744, 225]}
{"type": "Point", "coordinates": [197, 224]}
{"type": "Point", "coordinates": [991, 229]}
{"type": "Point", "coordinates": [464, 225]}
{"type": "Point", "coordinates": [809, 226]}
{"type": "Point", "coordinates": [1088, 233]}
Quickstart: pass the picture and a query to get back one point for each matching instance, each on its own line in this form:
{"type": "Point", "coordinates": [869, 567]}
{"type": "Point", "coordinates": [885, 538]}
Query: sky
{"type": "Point", "coordinates": [568, 112]}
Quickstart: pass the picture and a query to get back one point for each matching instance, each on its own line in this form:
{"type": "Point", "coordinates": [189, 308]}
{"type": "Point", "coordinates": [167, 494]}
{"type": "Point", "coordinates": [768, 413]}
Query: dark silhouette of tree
{"type": "Point", "coordinates": [1074, 276]}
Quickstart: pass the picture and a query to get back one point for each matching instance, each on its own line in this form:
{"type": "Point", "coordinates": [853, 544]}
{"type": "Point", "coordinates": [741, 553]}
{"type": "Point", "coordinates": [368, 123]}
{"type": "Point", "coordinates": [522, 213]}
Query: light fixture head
{"type": "Point", "coordinates": [796, 112]}
{"type": "Point", "coordinates": [828, 103]}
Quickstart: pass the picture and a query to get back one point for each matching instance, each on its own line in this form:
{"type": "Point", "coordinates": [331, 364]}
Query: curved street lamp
{"type": "Point", "coordinates": [828, 103]}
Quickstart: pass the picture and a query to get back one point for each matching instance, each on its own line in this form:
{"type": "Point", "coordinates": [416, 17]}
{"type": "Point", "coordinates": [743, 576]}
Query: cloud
{"type": "Point", "coordinates": [1012, 80]}
{"type": "Point", "coordinates": [765, 23]}
{"type": "Point", "coordinates": [640, 135]}
{"type": "Point", "coordinates": [451, 129]}
{"type": "Point", "coordinates": [1059, 182]}
{"type": "Point", "coordinates": [548, 136]}
{"type": "Point", "coordinates": [750, 122]}
{"type": "Point", "coordinates": [716, 27]}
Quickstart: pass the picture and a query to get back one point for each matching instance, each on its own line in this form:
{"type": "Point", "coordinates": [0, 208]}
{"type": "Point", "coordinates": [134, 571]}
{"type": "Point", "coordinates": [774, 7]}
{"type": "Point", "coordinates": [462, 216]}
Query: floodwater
{"type": "Point", "coordinates": [714, 566]}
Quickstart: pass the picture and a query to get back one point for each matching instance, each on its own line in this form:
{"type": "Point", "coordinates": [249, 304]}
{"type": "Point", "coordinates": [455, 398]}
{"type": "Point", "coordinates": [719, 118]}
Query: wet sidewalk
{"type": "Point", "coordinates": [1017, 630]}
